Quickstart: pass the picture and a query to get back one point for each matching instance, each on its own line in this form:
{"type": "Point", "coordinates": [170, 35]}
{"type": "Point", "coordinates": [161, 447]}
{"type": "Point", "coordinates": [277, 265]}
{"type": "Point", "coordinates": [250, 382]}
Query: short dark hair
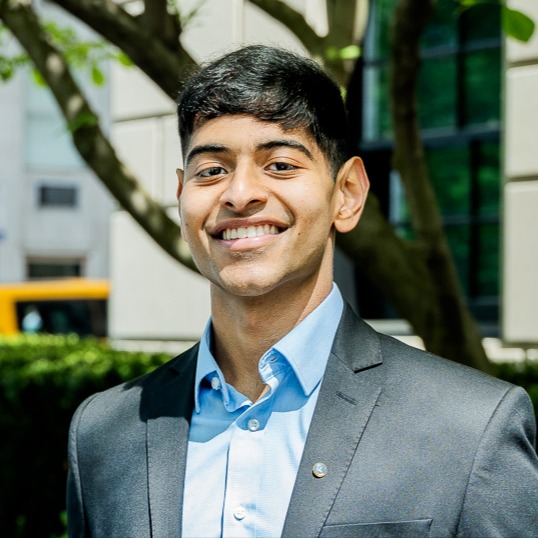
{"type": "Point", "coordinates": [273, 85]}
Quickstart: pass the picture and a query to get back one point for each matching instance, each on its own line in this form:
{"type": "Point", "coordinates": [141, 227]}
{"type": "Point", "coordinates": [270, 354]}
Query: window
{"type": "Point", "coordinates": [38, 269]}
{"type": "Point", "coordinates": [57, 196]}
{"type": "Point", "coordinates": [67, 316]}
{"type": "Point", "coordinates": [459, 112]}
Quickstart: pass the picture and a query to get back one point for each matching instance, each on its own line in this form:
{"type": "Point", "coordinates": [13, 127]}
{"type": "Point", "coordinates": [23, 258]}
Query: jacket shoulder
{"type": "Point", "coordinates": [128, 399]}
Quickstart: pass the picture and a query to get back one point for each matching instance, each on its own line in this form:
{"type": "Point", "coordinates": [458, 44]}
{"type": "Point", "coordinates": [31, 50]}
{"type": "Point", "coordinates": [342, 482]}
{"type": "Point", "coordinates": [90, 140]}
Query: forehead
{"type": "Point", "coordinates": [242, 133]}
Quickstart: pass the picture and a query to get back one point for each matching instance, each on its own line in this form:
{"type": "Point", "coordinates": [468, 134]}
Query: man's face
{"type": "Point", "coordinates": [257, 206]}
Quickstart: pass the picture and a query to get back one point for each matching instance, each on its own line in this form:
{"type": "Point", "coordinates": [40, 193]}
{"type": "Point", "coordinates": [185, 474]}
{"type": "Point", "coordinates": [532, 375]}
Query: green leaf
{"type": "Point", "coordinates": [517, 25]}
{"type": "Point", "coordinates": [124, 59]}
{"type": "Point", "coordinates": [6, 69]}
{"type": "Point", "coordinates": [98, 77]}
{"type": "Point", "coordinates": [38, 79]}
{"type": "Point", "coordinates": [351, 52]}
{"type": "Point", "coordinates": [83, 119]}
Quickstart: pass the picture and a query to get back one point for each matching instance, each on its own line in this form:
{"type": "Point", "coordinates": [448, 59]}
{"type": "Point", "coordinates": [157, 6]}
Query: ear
{"type": "Point", "coordinates": [180, 175]}
{"type": "Point", "coordinates": [180, 178]}
{"type": "Point", "coordinates": [351, 188]}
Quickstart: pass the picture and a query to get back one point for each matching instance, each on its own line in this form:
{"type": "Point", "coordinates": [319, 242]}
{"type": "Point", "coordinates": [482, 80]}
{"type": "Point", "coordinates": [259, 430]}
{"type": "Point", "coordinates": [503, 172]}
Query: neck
{"type": "Point", "coordinates": [244, 328]}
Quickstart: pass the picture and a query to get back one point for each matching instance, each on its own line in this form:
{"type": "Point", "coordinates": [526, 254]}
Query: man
{"type": "Point", "coordinates": [292, 417]}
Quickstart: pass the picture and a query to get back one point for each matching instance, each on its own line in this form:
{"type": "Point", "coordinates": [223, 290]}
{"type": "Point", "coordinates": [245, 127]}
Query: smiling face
{"type": "Point", "coordinates": [259, 207]}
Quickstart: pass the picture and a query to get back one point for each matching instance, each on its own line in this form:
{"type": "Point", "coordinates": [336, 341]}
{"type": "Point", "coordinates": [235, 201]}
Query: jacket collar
{"type": "Point", "coordinates": [169, 403]}
{"type": "Point", "coordinates": [350, 389]}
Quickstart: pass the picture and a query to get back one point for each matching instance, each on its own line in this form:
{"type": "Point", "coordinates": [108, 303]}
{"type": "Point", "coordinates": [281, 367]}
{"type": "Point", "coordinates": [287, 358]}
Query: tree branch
{"type": "Point", "coordinates": [162, 62]}
{"type": "Point", "coordinates": [292, 19]}
{"type": "Point", "coordinates": [162, 24]}
{"type": "Point", "coordinates": [88, 138]}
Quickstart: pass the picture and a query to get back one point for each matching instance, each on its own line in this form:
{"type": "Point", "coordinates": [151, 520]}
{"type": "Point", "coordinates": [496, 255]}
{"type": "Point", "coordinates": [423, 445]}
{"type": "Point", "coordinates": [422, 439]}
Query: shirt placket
{"type": "Point", "coordinates": [244, 462]}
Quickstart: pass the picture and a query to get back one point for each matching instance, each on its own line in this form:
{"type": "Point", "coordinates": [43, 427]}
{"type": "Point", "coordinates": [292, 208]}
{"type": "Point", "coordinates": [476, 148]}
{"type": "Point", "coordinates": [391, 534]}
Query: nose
{"type": "Point", "coordinates": [245, 189]}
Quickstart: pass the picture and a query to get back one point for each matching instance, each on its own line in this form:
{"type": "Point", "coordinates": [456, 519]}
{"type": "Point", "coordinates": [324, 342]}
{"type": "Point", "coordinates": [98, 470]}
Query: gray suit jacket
{"type": "Point", "coordinates": [414, 445]}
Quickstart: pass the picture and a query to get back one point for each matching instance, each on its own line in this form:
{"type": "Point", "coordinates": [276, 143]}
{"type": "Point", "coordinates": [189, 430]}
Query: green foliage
{"type": "Point", "coordinates": [517, 25]}
{"type": "Point", "coordinates": [85, 56]}
{"type": "Point", "coordinates": [9, 63]}
{"type": "Point", "coordinates": [351, 52]}
{"type": "Point", "coordinates": [42, 380]}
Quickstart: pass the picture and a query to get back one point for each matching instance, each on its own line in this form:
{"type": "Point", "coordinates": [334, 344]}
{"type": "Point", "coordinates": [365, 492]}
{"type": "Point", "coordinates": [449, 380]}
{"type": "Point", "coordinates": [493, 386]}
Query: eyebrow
{"type": "Point", "coordinates": [286, 143]}
{"type": "Point", "coordinates": [271, 144]}
{"type": "Point", "coordinates": [204, 148]}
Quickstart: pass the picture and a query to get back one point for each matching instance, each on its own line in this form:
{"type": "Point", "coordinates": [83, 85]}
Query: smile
{"type": "Point", "coordinates": [249, 231]}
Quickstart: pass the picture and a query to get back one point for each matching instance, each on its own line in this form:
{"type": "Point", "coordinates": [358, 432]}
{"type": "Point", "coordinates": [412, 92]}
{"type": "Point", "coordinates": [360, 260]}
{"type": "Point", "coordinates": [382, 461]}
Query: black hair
{"type": "Point", "coordinates": [273, 85]}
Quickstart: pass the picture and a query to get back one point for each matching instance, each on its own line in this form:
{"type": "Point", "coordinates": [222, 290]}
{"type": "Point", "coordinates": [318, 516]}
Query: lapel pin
{"type": "Point", "coordinates": [319, 470]}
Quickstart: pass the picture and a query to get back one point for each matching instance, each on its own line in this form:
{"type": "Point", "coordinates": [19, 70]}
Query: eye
{"type": "Point", "coordinates": [210, 172]}
{"type": "Point", "coordinates": [281, 167]}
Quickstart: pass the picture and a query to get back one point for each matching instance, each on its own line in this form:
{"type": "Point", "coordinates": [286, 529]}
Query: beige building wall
{"type": "Point", "coordinates": [520, 229]}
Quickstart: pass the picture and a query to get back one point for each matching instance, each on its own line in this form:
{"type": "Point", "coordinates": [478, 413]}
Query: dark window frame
{"type": "Point", "coordinates": [57, 196]}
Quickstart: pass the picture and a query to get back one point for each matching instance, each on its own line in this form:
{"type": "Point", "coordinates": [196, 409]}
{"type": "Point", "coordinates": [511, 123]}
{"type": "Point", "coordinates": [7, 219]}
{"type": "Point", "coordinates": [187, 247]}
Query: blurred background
{"type": "Point", "coordinates": [443, 106]}
{"type": "Point", "coordinates": [477, 111]}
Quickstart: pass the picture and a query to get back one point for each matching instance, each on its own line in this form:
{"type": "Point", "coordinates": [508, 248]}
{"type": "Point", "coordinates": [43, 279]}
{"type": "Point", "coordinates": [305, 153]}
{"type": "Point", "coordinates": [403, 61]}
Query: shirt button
{"type": "Point", "coordinates": [215, 383]}
{"type": "Point", "coordinates": [253, 425]}
{"type": "Point", "coordinates": [240, 512]}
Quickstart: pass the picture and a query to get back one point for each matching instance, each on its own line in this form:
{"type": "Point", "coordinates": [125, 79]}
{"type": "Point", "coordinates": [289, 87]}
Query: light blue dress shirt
{"type": "Point", "coordinates": [243, 457]}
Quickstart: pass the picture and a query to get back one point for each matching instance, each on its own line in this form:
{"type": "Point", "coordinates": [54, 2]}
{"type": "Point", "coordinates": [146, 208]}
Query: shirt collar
{"type": "Point", "coordinates": [306, 347]}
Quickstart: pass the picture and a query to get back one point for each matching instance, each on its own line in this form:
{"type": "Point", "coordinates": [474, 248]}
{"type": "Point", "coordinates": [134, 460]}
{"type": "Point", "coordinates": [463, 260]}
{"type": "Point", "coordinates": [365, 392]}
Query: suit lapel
{"type": "Point", "coordinates": [346, 400]}
{"type": "Point", "coordinates": [169, 408]}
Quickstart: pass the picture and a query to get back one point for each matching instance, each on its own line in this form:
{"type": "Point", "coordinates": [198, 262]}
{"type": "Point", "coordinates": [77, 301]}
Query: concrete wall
{"type": "Point", "coordinates": [520, 230]}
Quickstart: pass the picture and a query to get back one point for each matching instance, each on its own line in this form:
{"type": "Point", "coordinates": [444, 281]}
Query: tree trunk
{"type": "Point", "coordinates": [448, 329]}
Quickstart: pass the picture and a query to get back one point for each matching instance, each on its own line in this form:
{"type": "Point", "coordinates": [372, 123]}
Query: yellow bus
{"type": "Point", "coordinates": [64, 306]}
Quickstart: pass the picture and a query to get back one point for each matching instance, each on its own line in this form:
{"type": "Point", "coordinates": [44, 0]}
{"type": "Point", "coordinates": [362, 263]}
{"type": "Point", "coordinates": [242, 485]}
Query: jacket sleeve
{"type": "Point", "coordinates": [502, 494]}
{"type": "Point", "coordinates": [75, 506]}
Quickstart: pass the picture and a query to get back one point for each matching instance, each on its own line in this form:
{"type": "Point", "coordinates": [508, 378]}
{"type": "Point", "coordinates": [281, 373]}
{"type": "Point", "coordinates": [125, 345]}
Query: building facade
{"type": "Point", "coordinates": [53, 211]}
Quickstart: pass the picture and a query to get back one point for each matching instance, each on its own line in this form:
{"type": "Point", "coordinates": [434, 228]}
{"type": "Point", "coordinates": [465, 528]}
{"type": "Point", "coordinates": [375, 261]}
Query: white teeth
{"type": "Point", "coordinates": [250, 231]}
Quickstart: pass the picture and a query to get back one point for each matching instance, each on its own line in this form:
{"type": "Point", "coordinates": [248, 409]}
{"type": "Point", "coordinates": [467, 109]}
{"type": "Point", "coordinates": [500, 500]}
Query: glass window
{"type": "Point", "coordinates": [437, 93]}
{"type": "Point", "coordinates": [79, 316]}
{"type": "Point", "coordinates": [53, 269]}
{"type": "Point", "coordinates": [481, 22]}
{"type": "Point", "coordinates": [451, 178]}
{"type": "Point", "coordinates": [376, 110]}
{"type": "Point", "coordinates": [489, 179]}
{"type": "Point", "coordinates": [459, 95]}
{"type": "Point", "coordinates": [442, 30]}
{"type": "Point", "coordinates": [57, 196]}
{"type": "Point", "coordinates": [482, 87]}
{"type": "Point", "coordinates": [376, 44]}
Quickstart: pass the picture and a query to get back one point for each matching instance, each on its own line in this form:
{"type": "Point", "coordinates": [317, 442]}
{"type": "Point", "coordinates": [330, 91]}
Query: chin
{"type": "Point", "coordinates": [255, 288]}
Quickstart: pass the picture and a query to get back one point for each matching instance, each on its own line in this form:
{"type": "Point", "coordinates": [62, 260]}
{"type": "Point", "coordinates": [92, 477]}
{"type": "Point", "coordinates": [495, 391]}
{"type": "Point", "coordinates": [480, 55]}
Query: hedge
{"type": "Point", "coordinates": [42, 380]}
